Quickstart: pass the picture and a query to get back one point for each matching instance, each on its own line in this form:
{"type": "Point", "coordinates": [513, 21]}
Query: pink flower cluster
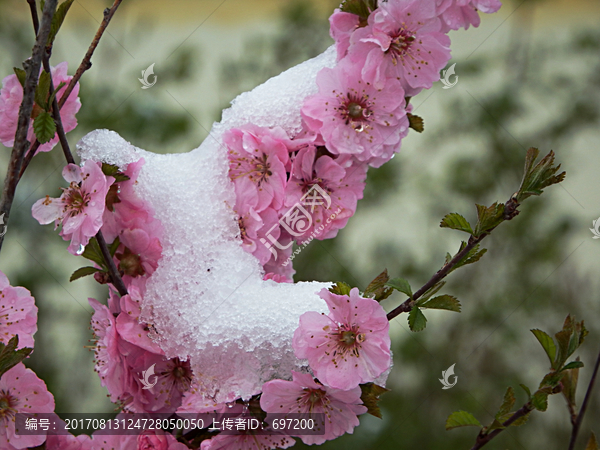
{"type": "Point", "coordinates": [11, 96]}
{"type": "Point", "coordinates": [288, 190]}
{"type": "Point", "coordinates": [298, 188]}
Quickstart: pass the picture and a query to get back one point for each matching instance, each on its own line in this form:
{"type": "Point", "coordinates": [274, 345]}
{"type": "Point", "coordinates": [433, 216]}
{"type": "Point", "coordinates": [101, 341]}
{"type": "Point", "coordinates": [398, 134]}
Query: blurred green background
{"type": "Point", "coordinates": [528, 76]}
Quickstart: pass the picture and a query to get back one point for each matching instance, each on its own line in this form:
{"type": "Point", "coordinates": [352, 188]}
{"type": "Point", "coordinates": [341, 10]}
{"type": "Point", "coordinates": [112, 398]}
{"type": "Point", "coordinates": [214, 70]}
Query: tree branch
{"type": "Point", "coordinates": [32, 67]}
{"type": "Point", "coordinates": [588, 395]}
{"type": "Point", "coordinates": [34, 15]}
{"type": "Point", "coordinates": [484, 439]}
{"type": "Point", "coordinates": [510, 212]}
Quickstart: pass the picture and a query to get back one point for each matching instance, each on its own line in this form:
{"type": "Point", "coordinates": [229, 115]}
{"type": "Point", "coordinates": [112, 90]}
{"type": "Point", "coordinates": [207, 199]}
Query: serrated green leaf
{"type": "Point", "coordinates": [416, 319]}
{"type": "Point", "coordinates": [58, 19]}
{"type": "Point", "coordinates": [42, 90]}
{"type": "Point", "coordinates": [539, 400]}
{"type": "Point", "coordinates": [83, 272]}
{"type": "Point", "coordinates": [573, 365]}
{"type": "Point", "coordinates": [551, 379]}
{"type": "Point", "coordinates": [527, 391]}
{"type": "Point", "coordinates": [447, 302]}
{"type": "Point", "coordinates": [370, 393]}
{"type": "Point", "coordinates": [488, 218]}
{"type": "Point", "coordinates": [547, 344]}
{"type": "Point", "coordinates": [415, 122]}
{"type": "Point", "coordinates": [507, 403]}
{"type": "Point", "coordinates": [21, 75]}
{"type": "Point", "coordinates": [44, 127]}
{"type": "Point", "coordinates": [400, 284]}
{"type": "Point", "coordinates": [10, 356]}
{"type": "Point", "coordinates": [56, 89]}
{"type": "Point", "coordinates": [592, 443]}
{"type": "Point", "coordinates": [461, 419]}
{"type": "Point", "coordinates": [376, 288]}
{"type": "Point", "coordinates": [93, 253]}
{"type": "Point", "coordinates": [340, 288]}
{"type": "Point", "coordinates": [521, 420]}
{"type": "Point", "coordinates": [569, 384]}
{"type": "Point", "coordinates": [472, 257]}
{"type": "Point", "coordinates": [540, 176]}
{"type": "Point", "coordinates": [456, 222]}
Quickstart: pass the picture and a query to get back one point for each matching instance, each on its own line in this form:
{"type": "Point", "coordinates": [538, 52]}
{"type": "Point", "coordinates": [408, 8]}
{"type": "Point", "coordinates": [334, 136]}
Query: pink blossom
{"type": "Point", "coordinates": [355, 118]}
{"type": "Point", "coordinates": [342, 25]}
{"type": "Point", "coordinates": [281, 266]}
{"type": "Point", "coordinates": [128, 325]}
{"type": "Point", "coordinates": [18, 314]}
{"type": "Point", "coordinates": [21, 391]}
{"type": "Point", "coordinates": [349, 346]}
{"type": "Point", "coordinates": [257, 160]}
{"type": "Point", "coordinates": [103, 441]}
{"type": "Point", "coordinates": [277, 278]}
{"type": "Point", "coordinates": [247, 442]}
{"type": "Point", "coordinates": [304, 395]}
{"type": "Point", "coordinates": [11, 96]}
{"type": "Point", "coordinates": [253, 229]}
{"type": "Point", "coordinates": [325, 190]}
{"type": "Point", "coordinates": [457, 14]}
{"type": "Point", "coordinates": [158, 440]}
{"type": "Point", "coordinates": [403, 41]}
{"type": "Point", "coordinates": [121, 363]}
{"type": "Point", "coordinates": [80, 207]}
{"type": "Point", "coordinates": [68, 442]}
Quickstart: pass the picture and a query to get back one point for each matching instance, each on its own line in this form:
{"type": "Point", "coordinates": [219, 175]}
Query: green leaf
{"type": "Point", "coordinates": [569, 384]}
{"type": "Point", "coordinates": [456, 222]}
{"type": "Point", "coordinates": [58, 88]}
{"type": "Point", "coordinates": [415, 122]}
{"type": "Point", "coordinates": [400, 284]}
{"type": "Point", "coordinates": [461, 419]}
{"type": "Point", "coordinates": [416, 319]}
{"type": "Point", "coordinates": [58, 19]}
{"type": "Point", "coordinates": [527, 391]}
{"type": "Point", "coordinates": [496, 425]}
{"type": "Point", "coordinates": [113, 171]}
{"type": "Point", "coordinates": [10, 356]}
{"type": "Point", "coordinates": [573, 365]}
{"type": "Point", "coordinates": [488, 218]}
{"type": "Point", "coordinates": [431, 291]}
{"type": "Point", "coordinates": [539, 400]}
{"type": "Point", "coordinates": [370, 397]}
{"type": "Point", "coordinates": [21, 75]}
{"type": "Point", "coordinates": [114, 246]}
{"type": "Point", "coordinates": [507, 403]}
{"type": "Point", "coordinates": [472, 257]}
{"type": "Point", "coordinates": [44, 127]}
{"type": "Point", "coordinates": [42, 90]}
{"type": "Point", "coordinates": [445, 301]}
{"type": "Point", "coordinates": [362, 8]}
{"type": "Point", "coordinates": [93, 253]}
{"type": "Point", "coordinates": [551, 379]}
{"type": "Point", "coordinates": [540, 176]}
{"type": "Point", "coordinates": [376, 288]}
{"type": "Point", "coordinates": [592, 443]}
{"type": "Point", "coordinates": [340, 288]}
{"type": "Point", "coordinates": [521, 420]}
{"type": "Point", "coordinates": [547, 343]}
{"type": "Point", "coordinates": [83, 272]}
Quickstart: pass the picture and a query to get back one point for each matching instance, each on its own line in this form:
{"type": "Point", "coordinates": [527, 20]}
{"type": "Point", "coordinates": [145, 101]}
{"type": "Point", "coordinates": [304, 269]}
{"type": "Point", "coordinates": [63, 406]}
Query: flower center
{"type": "Point", "coordinates": [75, 200]}
{"type": "Point", "coordinates": [348, 337]}
{"type": "Point", "coordinates": [401, 41]}
{"type": "Point", "coordinates": [356, 111]}
{"type": "Point", "coordinates": [7, 405]}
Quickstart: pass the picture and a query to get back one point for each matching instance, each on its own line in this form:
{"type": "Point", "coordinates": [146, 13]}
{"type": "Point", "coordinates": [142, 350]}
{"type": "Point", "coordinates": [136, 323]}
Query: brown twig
{"type": "Point", "coordinates": [485, 438]}
{"type": "Point", "coordinates": [32, 67]}
{"type": "Point", "coordinates": [116, 279]}
{"type": "Point", "coordinates": [510, 211]}
{"type": "Point", "coordinates": [588, 395]}
{"type": "Point", "coordinates": [34, 15]}
{"type": "Point", "coordinates": [86, 63]}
